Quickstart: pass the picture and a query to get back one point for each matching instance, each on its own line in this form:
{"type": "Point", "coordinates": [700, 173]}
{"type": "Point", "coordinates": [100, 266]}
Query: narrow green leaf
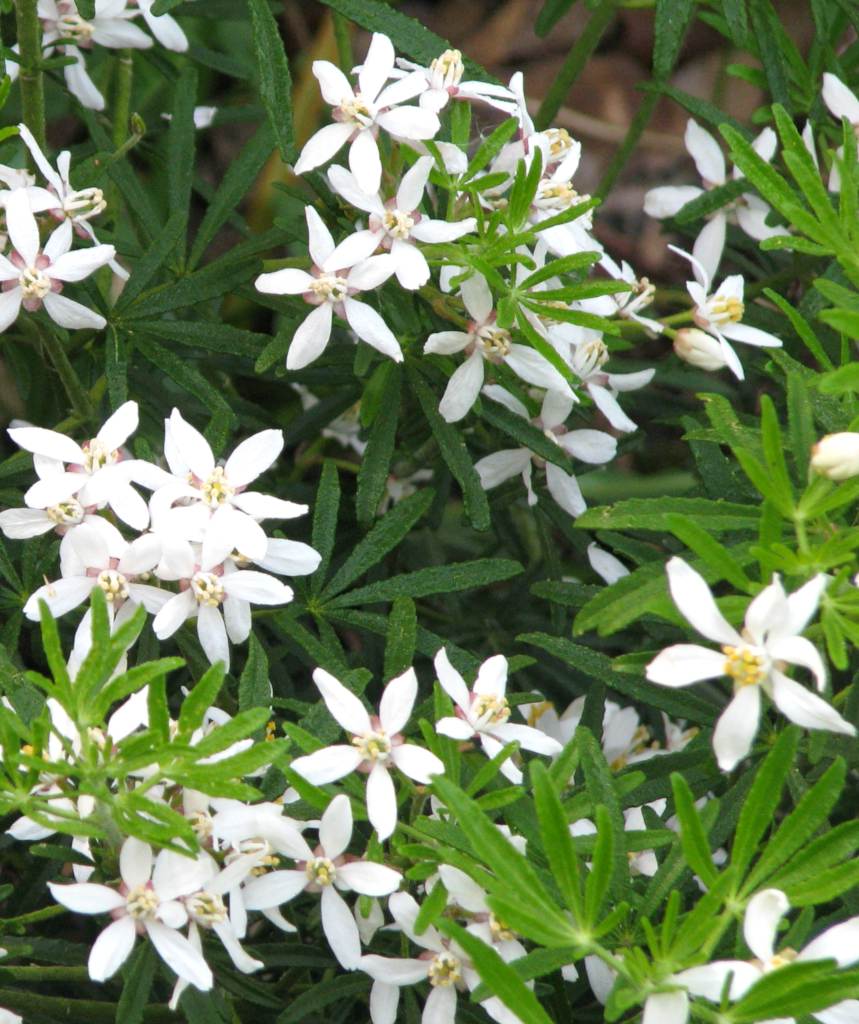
{"type": "Point", "coordinates": [524, 434]}
{"type": "Point", "coordinates": [491, 147]}
{"type": "Point", "coordinates": [187, 377]}
{"type": "Point", "coordinates": [322, 994]}
{"type": "Point", "coordinates": [138, 976]}
{"type": "Point", "coordinates": [601, 788]}
{"type": "Point", "coordinates": [376, 460]}
{"type": "Point", "coordinates": [653, 514]}
{"type": "Point", "coordinates": [401, 637]}
{"type": "Point", "coordinates": [254, 685]}
{"type": "Point", "coordinates": [154, 257]}
{"type": "Point", "coordinates": [696, 846]}
{"type": "Point", "coordinates": [550, 14]}
{"type": "Point", "coordinates": [275, 81]}
{"type": "Point", "coordinates": [766, 28]}
{"type": "Point", "coordinates": [202, 696]}
{"type": "Point", "coordinates": [181, 139]}
{"type": "Point", "coordinates": [325, 514]}
{"type": "Point", "coordinates": [670, 24]}
{"type": "Point", "coordinates": [709, 550]}
{"type": "Point", "coordinates": [442, 579]}
{"type": "Point", "coordinates": [604, 872]}
{"type": "Point", "coordinates": [557, 841]}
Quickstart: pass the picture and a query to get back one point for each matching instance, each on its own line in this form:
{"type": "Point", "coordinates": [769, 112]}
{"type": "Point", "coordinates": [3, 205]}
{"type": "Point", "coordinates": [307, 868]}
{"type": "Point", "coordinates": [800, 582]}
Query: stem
{"type": "Point", "coordinates": [35, 915]}
{"type": "Point", "coordinates": [123, 98]}
{"type": "Point", "coordinates": [31, 78]}
{"type": "Point", "coordinates": [71, 382]}
{"type": "Point", "coordinates": [576, 60]}
{"type": "Point", "coordinates": [63, 1008]}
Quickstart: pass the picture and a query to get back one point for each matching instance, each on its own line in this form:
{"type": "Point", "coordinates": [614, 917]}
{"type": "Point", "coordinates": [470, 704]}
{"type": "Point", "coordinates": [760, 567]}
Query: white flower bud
{"type": "Point", "coordinates": [699, 349]}
{"type": "Point", "coordinates": [836, 456]}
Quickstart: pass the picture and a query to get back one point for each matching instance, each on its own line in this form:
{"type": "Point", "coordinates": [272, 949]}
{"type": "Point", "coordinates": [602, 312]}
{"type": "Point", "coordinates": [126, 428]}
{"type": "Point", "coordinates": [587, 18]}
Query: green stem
{"type": "Point", "coordinates": [31, 77]}
{"type": "Point", "coordinates": [66, 372]}
{"type": "Point", "coordinates": [64, 1008]}
{"type": "Point", "coordinates": [575, 62]}
{"type": "Point", "coordinates": [122, 100]}
{"type": "Point", "coordinates": [35, 915]}
{"type": "Point", "coordinates": [343, 38]}
{"type": "Point", "coordinates": [46, 973]}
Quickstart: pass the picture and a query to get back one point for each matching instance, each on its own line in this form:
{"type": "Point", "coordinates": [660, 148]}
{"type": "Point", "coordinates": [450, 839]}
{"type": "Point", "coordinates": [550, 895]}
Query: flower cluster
{"type": "Point", "coordinates": [200, 530]}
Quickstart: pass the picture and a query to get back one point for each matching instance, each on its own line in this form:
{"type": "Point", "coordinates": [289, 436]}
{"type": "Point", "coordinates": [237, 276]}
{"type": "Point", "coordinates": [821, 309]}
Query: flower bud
{"type": "Point", "coordinates": [699, 349]}
{"type": "Point", "coordinates": [836, 456]}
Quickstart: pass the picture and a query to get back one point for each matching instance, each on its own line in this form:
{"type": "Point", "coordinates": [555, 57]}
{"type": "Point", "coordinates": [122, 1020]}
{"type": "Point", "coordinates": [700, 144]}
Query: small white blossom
{"type": "Point", "coordinates": [325, 870]}
{"type": "Point", "coordinates": [484, 712]}
{"type": "Point", "coordinates": [444, 83]}
{"type": "Point", "coordinates": [751, 659]}
{"type": "Point", "coordinates": [377, 745]}
{"type": "Point", "coordinates": [358, 115]}
{"type": "Point", "coordinates": [842, 102]}
{"type": "Point", "coordinates": [836, 456]}
{"type": "Point", "coordinates": [338, 274]}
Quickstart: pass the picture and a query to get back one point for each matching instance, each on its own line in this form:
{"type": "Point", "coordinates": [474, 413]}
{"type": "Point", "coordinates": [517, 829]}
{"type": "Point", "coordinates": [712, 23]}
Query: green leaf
{"type": "Point", "coordinates": [767, 35]}
{"type": "Point", "coordinates": [760, 805]}
{"type": "Point", "coordinates": [202, 696]}
{"type": "Point", "coordinates": [793, 991]}
{"type": "Point", "coordinates": [237, 182]}
{"type": "Point", "coordinates": [376, 460]}
{"type": "Point", "coordinates": [696, 846]}
{"type": "Point", "coordinates": [212, 337]}
{"type": "Point", "coordinates": [800, 418]}
{"type": "Point", "coordinates": [557, 841]}
{"type": "Point", "coordinates": [550, 14]}
{"type": "Point", "coordinates": [275, 81]}
{"type": "Point", "coordinates": [138, 975]}
{"type": "Point", "coordinates": [325, 514]}
{"type": "Point", "coordinates": [609, 862]}
{"type": "Point", "coordinates": [130, 682]}
{"type": "Point", "coordinates": [324, 993]}
{"type": "Point", "coordinates": [838, 843]}
{"type": "Point", "coordinates": [808, 815]}
{"type": "Point", "coordinates": [709, 550]}
{"type": "Point", "coordinates": [181, 137]}
{"type": "Point", "coordinates": [441, 579]}
{"type": "Point", "coordinates": [654, 513]}
{"type": "Point", "coordinates": [401, 637]}
{"type": "Point", "coordinates": [431, 908]}
{"type": "Point", "coordinates": [498, 975]}
{"type": "Point", "coordinates": [491, 147]}
{"type": "Point", "coordinates": [804, 171]}
{"type": "Point", "coordinates": [455, 454]}
{"type": "Point", "coordinates": [384, 537]}
{"type": "Point", "coordinates": [524, 434]}
{"type": "Point", "coordinates": [670, 24]}
{"type": "Point", "coordinates": [186, 377]}
{"type": "Point", "coordinates": [254, 685]}
{"type": "Point", "coordinates": [237, 728]}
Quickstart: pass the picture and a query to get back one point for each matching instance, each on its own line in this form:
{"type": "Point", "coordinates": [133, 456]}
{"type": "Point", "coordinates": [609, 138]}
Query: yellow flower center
{"type": "Point", "coordinates": [356, 109]}
{"type": "Point", "coordinates": [73, 26]}
{"type": "Point", "coordinates": [114, 585]}
{"type": "Point", "coordinates": [216, 488]}
{"type": "Point", "coordinates": [398, 223]}
{"type": "Point", "coordinates": [206, 908]}
{"type": "Point", "coordinates": [68, 511]}
{"type": "Point", "coordinates": [447, 69]}
{"type": "Point", "coordinates": [494, 341]}
{"type": "Point", "coordinates": [207, 589]}
{"type": "Point", "coordinates": [321, 870]}
{"type": "Point", "coordinates": [500, 931]}
{"type": "Point", "coordinates": [589, 357]}
{"type": "Point", "coordinates": [86, 203]}
{"type": "Point", "coordinates": [97, 455]}
{"type": "Point", "coordinates": [444, 969]}
{"type": "Point", "coordinates": [141, 902]}
{"type": "Point", "coordinates": [330, 287]}
{"type": "Point", "coordinates": [560, 141]}
{"type": "Point", "coordinates": [744, 665]}
{"type": "Point", "coordinates": [493, 710]}
{"type": "Point", "coordinates": [726, 310]}
{"type": "Point", "coordinates": [35, 284]}
{"type": "Point", "coordinates": [373, 746]}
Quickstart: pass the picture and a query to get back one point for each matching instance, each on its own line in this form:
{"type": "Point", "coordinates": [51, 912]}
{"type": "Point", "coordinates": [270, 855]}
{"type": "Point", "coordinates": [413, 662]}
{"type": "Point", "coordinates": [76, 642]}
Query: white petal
{"type": "Point", "coordinates": [394, 971]}
{"type": "Point", "coordinates": [87, 898]}
{"type": "Point", "coordinates": [455, 728]}
{"type": "Point", "coordinates": [410, 122]}
{"type": "Point", "coordinates": [290, 558]}
{"type": "Point", "coordinates": [841, 101]}
{"type": "Point", "coordinates": [440, 1007]}
{"type": "Point", "coordinates": [610, 408]}
{"type": "Point", "coordinates": [135, 862]}
{"type": "Point", "coordinates": [492, 677]}
{"type": "Point", "coordinates": [799, 651]}
{"type": "Point", "coordinates": [21, 225]}
{"type": "Point", "coordinates": [369, 878]}
{"type": "Point", "coordinates": [328, 764]}
{"type": "Point", "coordinates": [353, 249]}
{"type": "Point", "coordinates": [365, 162]}
{"type": "Point", "coordinates": [342, 704]}
{"type": "Point", "coordinates": [683, 664]}
{"type": "Point", "coordinates": [451, 681]}
{"type": "Point", "coordinates": [381, 803]}
{"type": "Point", "coordinates": [320, 147]}
{"type": "Point", "coordinates": [503, 397]}
{"type": "Point", "coordinates": [320, 244]}
{"type": "Point", "coordinates": [53, 489]}
{"type": "Point", "coordinates": [335, 829]}
{"type": "Point", "coordinates": [333, 84]}
{"type": "Point", "coordinates": [446, 343]}
{"type": "Point", "coordinates": [289, 281]}
{"type": "Point", "coordinates": [805, 708]}
{"type": "Point", "coordinates": [736, 728]}
{"type": "Point", "coordinates": [111, 949]}
{"type": "Point", "coordinates": [462, 389]}
{"type": "Point", "coordinates": [397, 702]}
{"type": "Point", "coordinates": [309, 341]}
{"type": "Point", "coordinates": [48, 443]}
{"type": "Point", "coordinates": [592, 446]}
{"type": "Point", "coordinates": [706, 153]}
{"type": "Point", "coordinates": [119, 427]}
{"type": "Point", "coordinates": [340, 929]}
{"type": "Point", "coordinates": [70, 314]}
{"type": "Point", "coordinates": [371, 272]}
{"type": "Point", "coordinates": [427, 230]}
{"type": "Point", "coordinates": [10, 307]}
{"type": "Point", "coordinates": [178, 953]}
{"type": "Point", "coordinates": [23, 523]}
{"type": "Point", "coordinates": [695, 601]}
{"type": "Point", "coordinates": [494, 469]}
{"type": "Point", "coordinates": [463, 889]}
{"type": "Point", "coordinates": [565, 489]}
{"type": "Point", "coordinates": [413, 271]}
{"type": "Point", "coordinates": [666, 1008]}
{"type": "Point", "coordinates": [710, 243]}
{"type": "Point", "coordinates": [212, 634]}
{"type": "Point", "coordinates": [384, 1000]}
{"type": "Point", "coordinates": [129, 506]}
{"type": "Point", "coordinates": [192, 446]}
{"type": "Point", "coordinates": [411, 190]}
{"type": "Point", "coordinates": [253, 457]}
{"type": "Point", "coordinates": [60, 596]}
{"type": "Point", "coordinates": [273, 889]}
{"type": "Point", "coordinates": [527, 738]}
{"type": "Point", "coordinates": [605, 565]}
{"type": "Point", "coordinates": [75, 266]}
{"type": "Point", "coordinates": [760, 924]}
{"type": "Point", "coordinates": [378, 65]}
{"type": "Point", "coordinates": [668, 200]}
{"type": "Point", "coordinates": [477, 297]}
{"type": "Point", "coordinates": [370, 327]}
{"type": "Point", "coordinates": [256, 587]}
{"type": "Point", "coordinates": [528, 364]}
{"type": "Point", "coordinates": [177, 610]}
{"type": "Point", "coordinates": [417, 763]}
{"type": "Point", "coordinates": [841, 943]}
{"type": "Point", "coordinates": [344, 184]}
{"type": "Point", "coordinates": [237, 619]}
{"type": "Point", "coordinates": [709, 980]}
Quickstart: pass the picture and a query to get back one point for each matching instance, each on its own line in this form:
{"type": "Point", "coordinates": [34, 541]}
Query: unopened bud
{"type": "Point", "coordinates": [699, 349]}
{"type": "Point", "coordinates": [836, 456]}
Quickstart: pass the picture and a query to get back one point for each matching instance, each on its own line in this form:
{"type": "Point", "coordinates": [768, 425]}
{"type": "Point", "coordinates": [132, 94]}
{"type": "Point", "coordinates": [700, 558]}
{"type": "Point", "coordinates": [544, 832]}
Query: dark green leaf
{"type": "Point", "coordinates": [275, 81]}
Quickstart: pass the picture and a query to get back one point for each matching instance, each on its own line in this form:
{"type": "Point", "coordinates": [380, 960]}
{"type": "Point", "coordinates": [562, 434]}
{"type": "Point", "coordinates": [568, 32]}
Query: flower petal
{"type": "Point", "coordinates": [328, 764]}
{"type": "Point", "coordinates": [805, 708]}
{"type": "Point", "coordinates": [381, 803]}
{"type": "Point", "coordinates": [417, 763]}
{"type": "Point", "coordinates": [397, 702]}
{"type": "Point", "coordinates": [21, 225]}
{"type": "Point", "coordinates": [342, 704]}
{"type": "Point", "coordinates": [193, 448]}
{"type": "Point", "coordinates": [273, 889]}
{"type": "Point", "coordinates": [369, 878]}
{"type": "Point", "coordinates": [666, 1008]}
{"type": "Point", "coordinates": [370, 327]}
{"type": "Point", "coordinates": [451, 681]}
{"type": "Point", "coordinates": [309, 341]}
{"type": "Point", "coordinates": [462, 389]}
{"type": "Point", "coordinates": [760, 924]}
{"type": "Point", "coordinates": [736, 728]}
{"type": "Point", "coordinates": [340, 929]}
{"type": "Point", "coordinates": [365, 162]}
{"type": "Point", "coordinates": [179, 955]}
{"type": "Point", "coordinates": [706, 153]}
{"type": "Point", "coordinates": [335, 829]}
{"type": "Point", "coordinates": [377, 67]}
{"type": "Point", "coordinates": [253, 457]}
{"type": "Point", "coordinates": [320, 147]}
{"type": "Point", "coordinates": [87, 897]}
{"type": "Point", "coordinates": [70, 314]}
{"type": "Point", "coordinates": [695, 602]}
{"type": "Point", "coordinates": [212, 634]}
{"type": "Point", "coordinates": [111, 949]}
{"type": "Point", "coordinates": [683, 664]}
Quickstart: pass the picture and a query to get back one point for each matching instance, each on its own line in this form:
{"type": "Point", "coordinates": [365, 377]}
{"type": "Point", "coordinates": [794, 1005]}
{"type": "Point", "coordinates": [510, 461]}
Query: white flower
{"type": "Point", "coordinates": [749, 210]}
{"type": "Point", "coordinates": [75, 477]}
{"type": "Point", "coordinates": [208, 587]}
{"type": "Point", "coordinates": [33, 277]}
{"type": "Point", "coordinates": [721, 313]}
{"type": "Point", "coordinates": [167, 31]}
{"type": "Point", "coordinates": [96, 565]}
{"type": "Point", "coordinates": [591, 446]}
{"type": "Point", "coordinates": [358, 116]}
{"type": "Point", "coordinates": [605, 564]}
{"type": "Point", "coordinates": [397, 225]}
{"type": "Point", "coordinates": [337, 275]}
{"type": "Point", "coordinates": [760, 929]}
{"type": "Point", "coordinates": [209, 503]}
{"type": "Point", "coordinates": [444, 83]}
{"type": "Point", "coordinates": [626, 304]}
{"type": "Point", "coordinates": [836, 456]}
{"type": "Point", "coordinates": [587, 358]}
{"type": "Point", "coordinates": [699, 349]}
{"type": "Point", "coordinates": [483, 712]}
{"type": "Point", "coordinates": [485, 341]}
{"type": "Point", "coordinates": [842, 102]}
{"type": "Point", "coordinates": [377, 745]}
{"type": "Point", "coordinates": [147, 902]}
{"type": "Point", "coordinates": [771, 636]}
{"type": "Point", "coordinates": [445, 965]}
{"type": "Point", "coordinates": [465, 893]}
{"type": "Point", "coordinates": [326, 870]}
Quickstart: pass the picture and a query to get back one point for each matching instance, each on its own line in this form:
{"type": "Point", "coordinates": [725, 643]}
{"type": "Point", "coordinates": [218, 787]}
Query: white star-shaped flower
{"type": "Point", "coordinates": [752, 659]}
{"type": "Point", "coordinates": [377, 746]}
{"type": "Point", "coordinates": [483, 713]}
